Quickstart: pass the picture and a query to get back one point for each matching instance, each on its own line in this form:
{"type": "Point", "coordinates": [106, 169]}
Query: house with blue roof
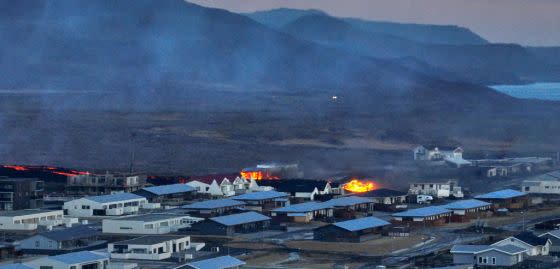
{"type": "Point", "coordinates": [172, 194]}
{"type": "Point", "coordinates": [247, 222]}
{"type": "Point", "coordinates": [356, 230]}
{"type": "Point", "coordinates": [73, 260]}
{"type": "Point", "coordinates": [465, 210]}
{"type": "Point", "coordinates": [508, 199]}
{"type": "Point", "coordinates": [263, 201]}
{"type": "Point", "coordinates": [105, 205]}
{"type": "Point", "coordinates": [222, 262]}
{"type": "Point", "coordinates": [431, 215]}
{"type": "Point", "coordinates": [302, 212]}
{"type": "Point", "coordinates": [59, 241]}
{"type": "Point", "coordinates": [212, 208]}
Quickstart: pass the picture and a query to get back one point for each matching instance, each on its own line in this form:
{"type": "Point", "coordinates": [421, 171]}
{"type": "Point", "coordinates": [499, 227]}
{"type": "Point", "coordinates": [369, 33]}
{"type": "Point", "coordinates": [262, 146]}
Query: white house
{"type": "Point", "coordinates": [155, 248]}
{"type": "Point", "coordinates": [148, 224]}
{"type": "Point", "coordinates": [437, 189]}
{"type": "Point", "coordinates": [437, 153]}
{"type": "Point", "coordinates": [73, 260]}
{"type": "Point", "coordinates": [222, 262]}
{"type": "Point", "coordinates": [29, 220]}
{"type": "Point", "coordinates": [106, 205]}
{"type": "Point", "coordinates": [535, 246]}
{"type": "Point", "coordinates": [221, 186]}
{"type": "Point", "coordinates": [548, 183]}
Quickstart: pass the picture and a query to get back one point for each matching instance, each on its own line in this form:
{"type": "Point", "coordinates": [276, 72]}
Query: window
{"type": "Point", "coordinates": [125, 228]}
{"type": "Point", "coordinates": [485, 260]}
{"type": "Point", "coordinates": [479, 259]}
{"type": "Point", "coordinates": [50, 243]}
{"type": "Point", "coordinates": [85, 206]}
{"type": "Point", "coordinates": [494, 260]}
{"type": "Point", "coordinates": [37, 243]}
{"type": "Point", "coordinates": [45, 267]}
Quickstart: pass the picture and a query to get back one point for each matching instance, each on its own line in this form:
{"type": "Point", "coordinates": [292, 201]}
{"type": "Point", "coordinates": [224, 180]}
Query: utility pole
{"type": "Point", "coordinates": [132, 152]}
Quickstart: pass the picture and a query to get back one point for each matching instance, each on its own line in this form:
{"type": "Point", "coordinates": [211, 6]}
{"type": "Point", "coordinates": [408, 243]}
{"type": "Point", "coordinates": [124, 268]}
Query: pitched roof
{"type": "Point", "coordinates": [217, 263]}
{"type": "Point", "coordinates": [555, 233]}
{"type": "Point", "coordinates": [72, 233]}
{"type": "Point", "coordinates": [510, 249]}
{"type": "Point", "coordinates": [241, 218]}
{"type": "Point", "coordinates": [261, 195]}
{"type": "Point", "coordinates": [501, 194]}
{"type": "Point", "coordinates": [361, 224]}
{"type": "Point", "coordinates": [294, 185]}
{"type": "Point", "coordinates": [382, 193]}
{"type": "Point", "coordinates": [476, 249]}
{"type": "Point", "coordinates": [218, 177]}
{"type": "Point", "coordinates": [78, 257]}
{"type": "Point", "coordinates": [302, 207]}
{"type": "Point", "coordinates": [422, 212]}
{"type": "Point", "coordinates": [466, 204]}
{"type": "Point", "coordinates": [347, 201]}
{"type": "Point", "coordinates": [531, 239]}
{"type": "Point", "coordinates": [151, 239]}
{"type": "Point", "coordinates": [124, 196]}
{"type": "Point", "coordinates": [15, 266]}
{"type": "Point", "coordinates": [169, 189]}
{"type": "Point", "coordinates": [444, 147]}
{"type": "Point", "coordinates": [212, 204]}
{"type": "Point", "coordinates": [25, 212]}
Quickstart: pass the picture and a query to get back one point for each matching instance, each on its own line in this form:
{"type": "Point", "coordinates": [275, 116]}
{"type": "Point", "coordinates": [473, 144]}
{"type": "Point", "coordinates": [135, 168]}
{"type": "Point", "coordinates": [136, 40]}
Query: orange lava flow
{"type": "Point", "coordinates": [256, 175]}
{"type": "Point", "coordinates": [360, 186]}
{"type": "Point", "coordinates": [16, 167]}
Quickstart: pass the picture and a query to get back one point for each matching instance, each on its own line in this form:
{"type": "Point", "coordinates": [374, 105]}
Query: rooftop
{"type": "Point", "coordinates": [212, 204]}
{"type": "Point", "coordinates": [475, 249]}
{"type": "Point", "coordinates": [382, 193]}
{"type": "Point", "coordinates": [531, 239]}
{"type": "Point", "coordinates": [241, 218]}
{"type": "Point", "coordinates": [169, 189]}
{"type": "Point", "coordinates": [361, 224]}
{"type": "Point", "coordinates": [118, 197]}
{"type": "Point", "coordinates": [347, 201]}
{"type": "Point", "coordinates": [423, 212]}
{"type": "Point", "coordinates": [502, 194]}
{"type": "Point", "coordinates": [25, 212]}
{"type": "Point", "coordinates": [261, 195]}
{"type": "Point", "coordinates": [78, 257]}
{"type": "Point", "coordinates": [466, 204]}
{"type": "Point", "coordinates": [302, 207]}
{"type": "Point", "coordinates": [208, 179]}
{"type": "Point", "coordinates": [217, 263]}
{"type": "Point", "coordinates": [150, 217]}
{"type": "Point", "coordinates": [15, 266]}
{"type": "Point", "coordinates": [75, 232]}
{"type": "Point", "coordinates": [294, 185]}
{"type": "Point", "coordinates": [150, 239]}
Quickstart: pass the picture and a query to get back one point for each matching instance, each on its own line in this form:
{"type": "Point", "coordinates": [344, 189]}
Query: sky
{"type": "Point", "coordinates": [526, 22]}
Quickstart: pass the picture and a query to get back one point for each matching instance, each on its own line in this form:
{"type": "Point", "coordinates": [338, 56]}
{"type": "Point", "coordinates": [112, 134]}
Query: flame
{"type": "Point", "coordinates": [257, 175]}
{"type": "Point", "coordinates": [17, 167]}
{"type": "Point", "coordinates": [360, 186]}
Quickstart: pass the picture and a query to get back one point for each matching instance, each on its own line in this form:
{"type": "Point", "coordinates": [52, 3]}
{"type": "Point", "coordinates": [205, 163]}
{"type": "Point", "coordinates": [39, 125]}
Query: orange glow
{"type": "Point", "coordinates": [360, 186]}
{"type": "Point", "coordinates": [17, 167]}
{"type": "Point", "coordinates": [257, 175]}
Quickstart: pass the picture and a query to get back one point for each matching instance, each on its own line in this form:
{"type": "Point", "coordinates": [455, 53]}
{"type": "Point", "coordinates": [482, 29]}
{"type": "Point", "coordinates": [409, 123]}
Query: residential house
{"type": "Point", "coordinates": [431, 215]}
{"type": "Point", "coordinates": [545, 185]}
{"type": "Point", "coordinates": [73, 260]}
{"type": "Point", "coordinates": [508, 198]}
{"type": "Point", "coordinates": [222, 262]}
{"type": "Point", "coordinates": [21, 193]}
{"type": "Point", "coordinates": [303, 212]}
{"type": "Point", "coordinates": [356, 230]}
{"type": "Point", "coordinates": [148, 224]}
{"type": "Point", "coordinates": [172, 194]}
{"type": "Point", "coordinates": [299, 189]}
{"type": "Point", "coordinates": [88, 184]}
{"type": "Point", "coordinates": [218, 185]}
{"type": "Point", "coordinates": [212, 208]}
{"type": "Point", "coordinates": [437, 189]}
{"type": "Point", "coordinates": [488, 256]}
{"type": "Point", "coordinates": [31, 219]}
{"type": "Point", "coordinates": [76, 238]}
{"type": "Point", "coordinates": [534, 245]}
{"type": "Point", "coordinates": [465, 210]}
{"type": "Point", "coordinates": [247, 222]}
{"type": "Point", "coordinates": [437, 153]}
{"type": "Point", "coordinates": [554, 237]}
{"type": "Point", "coordinates": [349, 206]}
{"type": "Point", "coordinates": [263, 201]}
{"type": "Point", "coordinates": [105, 205]}
{"type": "Point", "coordinates": [153, 247]}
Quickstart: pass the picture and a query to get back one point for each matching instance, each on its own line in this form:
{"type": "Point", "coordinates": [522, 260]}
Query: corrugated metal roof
{"type": "Point", "coordinates": [76, 232]}
{"type": "Point", "coordinates": [510, 249]}
{"type": "Point", "coordinates": [15, 266]}
{"type": "Point", "coordinates": [347, 201]}
{"type": "Point", "coordinates": [217, 263]}
{"type": "Point", "coordinates": [241, 218]}
{"type": "Point", "coordinates": [212, 204]}
{"type": "Point", "coordinates": [302, 208]}
{"type": "Point", "coordinates": [361, 224]}
{"type": "Point", "coordinates": [469, 248]}
{"type": "Point", "coordinates": [170, 189]}
{"type": "Point", "coordinates": [466, 204]}
{"type": "Point", "coordinates": [261, 195]}
{"type": "Point", "coordinates": [502, 194]}
{"type": "Point", "coordinates": [78, 257]}
{"type": "Point", "coordinates": [422, 212]}
{"type": "Point", "coordinates": [118, 197]}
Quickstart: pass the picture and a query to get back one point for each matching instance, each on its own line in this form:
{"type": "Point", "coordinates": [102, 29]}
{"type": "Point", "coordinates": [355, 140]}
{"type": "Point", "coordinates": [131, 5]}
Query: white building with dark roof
{"type": "Point", "coordinates": [488, 256]}
{"type": "Point", "coordinates": [105, 205]}
{"type": "Point", "coordinates": [73, 260]}
{"type": "Point", "coordinates": [76, 238]}
{"type": "Point", "coordinates": [152, 247]}
{"type": "Point", "coordinates": [160, 223]}
{"type": "Point", "coordinates": [28, 220]}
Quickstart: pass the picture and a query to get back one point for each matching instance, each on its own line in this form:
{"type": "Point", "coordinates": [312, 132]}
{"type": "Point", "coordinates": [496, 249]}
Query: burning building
{"type": "Point", "coordinates": [360, 186]}
{"type": "Point", "coordinates": [272, 171]}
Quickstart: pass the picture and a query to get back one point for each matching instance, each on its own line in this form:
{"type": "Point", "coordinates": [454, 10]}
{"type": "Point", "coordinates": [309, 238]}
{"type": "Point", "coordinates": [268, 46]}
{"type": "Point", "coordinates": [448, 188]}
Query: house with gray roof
{"type": "Point", "coordinates": [105, 205]}
{"type": "Point", "coordinates": [508, 198]}
{"type": "Point", "coordinates": [464, 210]}
{"type": "Point", "coordinates": [346, 206]}
{"type": "Point", "coordinates": [211, 208]}
{"type": "Point", "coordinates": [488, 256]}
{"type": "Point", "coordinates": [554, 237]}
{"type": "Point", "coordinates": [431, 215]}
{"type": "Point", "coordinates": [247, 222]}
{"type": "Point", "coordinates": [222, 262]}
{"type": "Point", "coordinates": [356, 230]}
{"type": "Point", "coordinates": [156, 223]}
{"type": "Point", "coordinates": [72, 260]}
{"type": "Point", "coordinates": [263, 201]}
{"type": "Point", "coordinates": [173, 194]}
{"type": "Point", "coordinates": [154, 247]}
{"type": "Point", "coordinates": [60, 241]}
{"type": "Point", "coordinates": [302, 212]}
{"type": "Point", "coordinates": [534, 245]}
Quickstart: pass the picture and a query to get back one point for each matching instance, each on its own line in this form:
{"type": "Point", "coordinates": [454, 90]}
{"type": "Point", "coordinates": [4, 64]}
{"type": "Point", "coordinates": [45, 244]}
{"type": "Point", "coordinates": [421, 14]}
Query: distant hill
{"type": "Point", "coordinates": [424, 33]}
